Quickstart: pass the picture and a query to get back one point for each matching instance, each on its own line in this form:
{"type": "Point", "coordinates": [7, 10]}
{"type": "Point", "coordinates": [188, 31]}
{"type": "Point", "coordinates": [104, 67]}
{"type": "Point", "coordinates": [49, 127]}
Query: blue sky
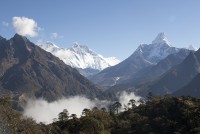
{"type": "Point", "coordinates": [109, 27]}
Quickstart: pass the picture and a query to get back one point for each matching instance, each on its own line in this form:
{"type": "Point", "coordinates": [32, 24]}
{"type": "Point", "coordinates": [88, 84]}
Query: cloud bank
{"type": "Point", "coordinates": [42, 111]}
{"type": "Point", "coordinates": [124, 98]}
{"type": "Point", "coordinates": [25, 26]}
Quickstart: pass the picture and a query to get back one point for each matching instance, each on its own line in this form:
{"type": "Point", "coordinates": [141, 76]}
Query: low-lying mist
{"type": "Point", "coordinates": [124, 97]}
{"type": "Point", "coordinates": [43, 111]}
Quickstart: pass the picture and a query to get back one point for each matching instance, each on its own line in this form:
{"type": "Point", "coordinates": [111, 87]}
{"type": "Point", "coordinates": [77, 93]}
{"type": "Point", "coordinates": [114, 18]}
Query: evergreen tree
{"type": "Point", "coordinates": [117, 105]}
{"type": "Point", "coordinates": [64, 115]}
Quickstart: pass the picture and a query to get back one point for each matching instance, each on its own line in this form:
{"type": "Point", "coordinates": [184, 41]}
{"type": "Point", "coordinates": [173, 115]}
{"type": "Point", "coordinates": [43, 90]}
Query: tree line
{"type": "Point", "coordinates": [156, 115]}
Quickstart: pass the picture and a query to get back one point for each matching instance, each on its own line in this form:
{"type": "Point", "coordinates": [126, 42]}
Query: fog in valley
{"type": "Point", "coordinates": [43, 111]}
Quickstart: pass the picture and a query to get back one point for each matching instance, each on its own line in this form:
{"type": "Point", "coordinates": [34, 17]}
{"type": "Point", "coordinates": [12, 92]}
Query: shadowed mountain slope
{"type": "Point", "coordinates": [27, 69]}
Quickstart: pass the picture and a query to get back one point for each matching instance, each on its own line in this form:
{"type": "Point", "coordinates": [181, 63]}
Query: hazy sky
{"type": "Point", "coordinates": [109, 27]}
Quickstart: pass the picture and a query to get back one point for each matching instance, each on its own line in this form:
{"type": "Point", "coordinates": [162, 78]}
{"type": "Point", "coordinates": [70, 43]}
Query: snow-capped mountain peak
{"type": "Point", "coordinates": [161, 39]}
{"type": "Point", "coordinates": [80, 48]}
{"type": "Point", "coordinates": [80, 56]}
{"type": "Point", "coordinates": [158, 50]}
{"type": "Point", "coordinates": [48, 46]}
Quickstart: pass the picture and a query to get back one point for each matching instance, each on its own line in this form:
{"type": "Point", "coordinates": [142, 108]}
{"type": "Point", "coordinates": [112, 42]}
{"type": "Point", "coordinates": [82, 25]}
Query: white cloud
{"type": "Point", "coordinates": [43, 111]}
{"type": "Point", "coordinates": [124, 98]}
{"type": "Point", "coordinates": [25, 26]}
{"type": "Point", "coordinates": [6, 24]}
{"type": "Point", "coordinates": [54, 35]}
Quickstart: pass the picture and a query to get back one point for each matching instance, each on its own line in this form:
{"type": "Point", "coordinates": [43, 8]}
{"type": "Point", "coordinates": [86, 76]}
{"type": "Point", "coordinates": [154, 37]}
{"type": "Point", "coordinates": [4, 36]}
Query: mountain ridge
{"type": "Point", "coordinates": [178, 76]}
{"type": "Point", "coordinates": [145, 55]}
{"type": "Point", "coordinates": [80, 56]}
{"type": "Point", "coordinates": [152, 72]}
{"type": "Point", "coordinates": [28, 70]}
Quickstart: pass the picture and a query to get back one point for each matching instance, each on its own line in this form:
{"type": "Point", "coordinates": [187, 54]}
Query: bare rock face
{"type": "Point", "coordinates": [26, 68]}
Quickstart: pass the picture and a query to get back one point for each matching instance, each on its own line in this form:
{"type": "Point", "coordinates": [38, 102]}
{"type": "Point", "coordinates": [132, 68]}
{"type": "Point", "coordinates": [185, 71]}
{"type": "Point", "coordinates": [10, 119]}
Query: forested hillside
{"type": "Point", "coordinates": [157, 115]}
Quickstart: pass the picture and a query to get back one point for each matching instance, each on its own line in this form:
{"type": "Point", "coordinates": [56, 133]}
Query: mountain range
{"type": "Point", "coordinates": [152, 72]}
{"type": "Point", "coordinates": [145, 55]}
{"type": "Point", "coordinates": [148, 69]}
{"type": "Point", "coordinates": [81, 57]}
{"type": "Point", "coordinates": [28, 70]}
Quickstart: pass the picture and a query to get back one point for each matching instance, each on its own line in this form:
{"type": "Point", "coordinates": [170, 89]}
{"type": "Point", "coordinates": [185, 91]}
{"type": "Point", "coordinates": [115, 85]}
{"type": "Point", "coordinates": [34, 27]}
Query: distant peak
{"type": "Point", "coordinates": [75, 44]}
{"type": "Point", "coordinates": [51, 44]}
{"type": "Point", "coordinates": [191, 47]}
{"type": "Point", "coordinates": [19, 38]}
{"type": "Point", "coordinates": [78, 46]}
{"type": "Point", "coordinates": [46, 44]}
{"type": "Point", "coordinates": [18, 35]}
{"type": "Point", "coordinates": [161, 39]}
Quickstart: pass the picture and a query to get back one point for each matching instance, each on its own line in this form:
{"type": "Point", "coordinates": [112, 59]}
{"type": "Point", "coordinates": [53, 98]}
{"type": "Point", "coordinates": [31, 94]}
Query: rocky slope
{"type": "Point", "coordinates": [28, 70]}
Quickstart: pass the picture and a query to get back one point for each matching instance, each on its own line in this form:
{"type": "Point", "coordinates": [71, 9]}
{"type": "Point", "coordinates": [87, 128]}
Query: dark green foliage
{"type": "Point", "coordinates": [11, 121]}
{"type": "Point", "coordinates": [91, 122]}
{"type": "Point", "coordinates": [63, 116]}
{"type": "Point", "coordinates": [117, 106]}
{"type": "Point", "coordinates": [91, 125]}
{"type": "Point", "coordinates": [149, 96]}
{"type": "Point", "coordinates": [160, 115]}
{"type": "Point", "coordinates": [132, 103]}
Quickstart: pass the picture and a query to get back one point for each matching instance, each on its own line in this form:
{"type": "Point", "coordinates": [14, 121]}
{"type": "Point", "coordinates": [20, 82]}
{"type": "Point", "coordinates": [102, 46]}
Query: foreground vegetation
{"type": "Point", "coordinates": [159, 115]}
{"type": "Point", "coordinates": [12, 122]}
